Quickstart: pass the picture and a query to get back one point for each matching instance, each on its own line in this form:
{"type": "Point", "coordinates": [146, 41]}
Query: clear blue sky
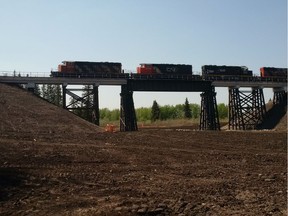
{"type": "Point", "coordinates": [36, 35]}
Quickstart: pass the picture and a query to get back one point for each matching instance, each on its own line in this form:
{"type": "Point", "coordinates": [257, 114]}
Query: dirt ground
{"type": "Point", "coordinates": [47, 169]}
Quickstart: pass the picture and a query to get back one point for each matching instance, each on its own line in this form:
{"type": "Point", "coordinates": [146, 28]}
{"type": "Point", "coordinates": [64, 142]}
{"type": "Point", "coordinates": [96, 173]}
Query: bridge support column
{"type": "Point", "coordinates": [209, 119]}
{"type": "Point", "coordinates": [280, 96]}
{"type": "Point", "coordinates": [64, 92]}
{"type": "Point", "coordinates": [31, 87]}
{"type": "Point", "coordinates": [95, 112]}
{"type": "Point", "coordinates": [128, 120]}
{"type": "Point", "coordinates": [247, 109]}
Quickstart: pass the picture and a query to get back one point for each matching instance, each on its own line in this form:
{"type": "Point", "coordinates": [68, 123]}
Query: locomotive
{"type": "Point", "coordinates": [88, 69]}
{"type": "Point", "coordinates": [223, 72]}
{"type": "Point", "coordinates": [164, 69]}
{"type": "Point", "coordinates": [272, 72]}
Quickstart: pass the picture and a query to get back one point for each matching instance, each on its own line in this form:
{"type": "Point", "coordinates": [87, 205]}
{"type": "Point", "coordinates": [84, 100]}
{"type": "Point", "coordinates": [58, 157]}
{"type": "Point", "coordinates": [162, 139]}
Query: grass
{"type": "Point", "coordinates": [169, 123]}
{"type": "Point", "coordinates": [160, 123]}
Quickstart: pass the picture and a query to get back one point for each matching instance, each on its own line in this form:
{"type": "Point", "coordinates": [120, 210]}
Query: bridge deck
{"type": "Point", "coordinates": [148, 82]}
{"type": "Point", "coordinates": [63, 80]}
{"type": "Point", "coordinates": [262, 84]}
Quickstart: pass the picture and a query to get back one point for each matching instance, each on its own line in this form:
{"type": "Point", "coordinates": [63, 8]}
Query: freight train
{"type": "Point", "coordinates": [163, 71]}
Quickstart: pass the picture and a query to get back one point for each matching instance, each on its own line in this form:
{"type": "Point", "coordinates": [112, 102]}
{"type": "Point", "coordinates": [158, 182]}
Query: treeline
{"type": "Point", "coordinates": [166, 112]}
{"type": "Point", "coordinates": [51, 93]}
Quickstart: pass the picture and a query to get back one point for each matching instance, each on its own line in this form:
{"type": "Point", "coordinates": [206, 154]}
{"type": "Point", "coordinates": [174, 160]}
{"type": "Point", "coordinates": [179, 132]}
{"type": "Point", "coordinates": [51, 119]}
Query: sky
{"type": "Point", "coordinates": [37, 35]}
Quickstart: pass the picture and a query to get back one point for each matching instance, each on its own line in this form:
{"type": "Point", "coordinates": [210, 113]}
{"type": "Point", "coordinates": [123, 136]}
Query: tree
{"type": "Point", "coordinates": [155, 111]}
{"type": "Point", "coordinates": [143, 114]}
{"type": "Point", "coordinates": [58, 95]}
{"type": "Point", "coordinates": [37, 90]}
{"type": "Point", "coordinates": [87, 103]}
{"type": "Point", "coordinates": [52, 93]}
{"type": "Point", "coordinates": [195, 110]}
{"type": "Point", "coordinates": [44, 91]}
{"type": "Point", "coordinates": [179, 111]}
{"type": "Point", "coordinates": [104, 114]}
{"type": "Point", "coordinates": [187, 110]}
{"type": "Point", "coordinates": [115, 115]}
{"type": "Point", "coordinates": [168, 112]}
{"type": "Point", "coordinates": [222, 111]}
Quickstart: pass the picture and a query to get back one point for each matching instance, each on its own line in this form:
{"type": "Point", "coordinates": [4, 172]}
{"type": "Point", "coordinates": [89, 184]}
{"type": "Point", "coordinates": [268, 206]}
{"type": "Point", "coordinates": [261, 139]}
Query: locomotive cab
{"type": "Point", "coordinates": [66, 67]}
{"type": "Point", "coordinates": [145, 69]}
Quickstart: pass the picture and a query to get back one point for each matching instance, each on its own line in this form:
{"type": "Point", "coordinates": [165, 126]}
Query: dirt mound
{"type": "Point", "coordinates": [23, 112]}
{"type": "Point", "coordinates": [282, 125]}
{"type": "Point", "coordinates": [276, 117]}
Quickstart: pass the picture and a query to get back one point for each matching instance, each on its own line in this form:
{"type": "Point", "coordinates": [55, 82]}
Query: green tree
{"type": "Point", "coordinates": [115, 115]}
{"type": "Point", "coordinates": [222, 111]}
{"type": "Point", "coordinates": [87, 103]}
{"type": "Point", "coordinates": [109, 115]}
{"type": "Point", "coordinates": [155, 111]}
{"type": "Point", "coordinates": [195, 108]}
{"type": "Point", "coordinates": [52, 93]}
{"type": "Point", "coordinates": [179, 111]}
{"type": "Point", "coordinates": [105, 114]}
{"type": "Point", "coordinates": [43, 91]}
{"type": "Point", "coordinates": [187, 110]}
{"type": "Point", "coordinates": [168, 112]}
{"type": "Point", "coordinates": [143, 114]}
{"type": "Point", "coordinates": [37, 90]}
{"type": "Point", "coordinates": [58, 95]}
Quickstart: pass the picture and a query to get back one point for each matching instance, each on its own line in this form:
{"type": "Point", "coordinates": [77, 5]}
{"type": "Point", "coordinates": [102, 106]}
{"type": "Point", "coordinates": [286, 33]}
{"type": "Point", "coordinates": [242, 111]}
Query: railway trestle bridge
{"type": "Point", "coordinates": [247, 109]}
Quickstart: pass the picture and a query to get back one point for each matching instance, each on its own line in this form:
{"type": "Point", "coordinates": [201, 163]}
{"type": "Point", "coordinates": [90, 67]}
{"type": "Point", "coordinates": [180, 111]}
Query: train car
{"type": "Point", "coordinates": [272, 72]}
{"type": "Point", "coordinates": [223, 72]}
{"type": "Point", "coordinates": [87, 69]}
{"type": "Point", "coordinates": [165, 69]}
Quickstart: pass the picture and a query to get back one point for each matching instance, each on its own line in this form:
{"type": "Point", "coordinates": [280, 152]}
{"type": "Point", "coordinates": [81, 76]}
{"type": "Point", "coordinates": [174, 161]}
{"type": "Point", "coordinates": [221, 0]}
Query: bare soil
{"type": "Point", "coordinates": [53, 163]}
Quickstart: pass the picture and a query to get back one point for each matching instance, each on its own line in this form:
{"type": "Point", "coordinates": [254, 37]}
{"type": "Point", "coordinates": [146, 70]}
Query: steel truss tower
{"type": "Point", "coordinates": [209, 119]}
{"type": "Point", "coordinates": [280, 97]}
{"type": "Point", "coordinates": [246, 108]}
{"type": "Point", "coordinates": [92, 105]}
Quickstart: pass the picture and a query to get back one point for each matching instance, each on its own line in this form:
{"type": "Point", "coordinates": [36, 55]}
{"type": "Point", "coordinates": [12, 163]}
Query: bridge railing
{"type": "Point", "coordinates": [245, 79]}
{"type": "Point", "coordinates": [139, 76]}
{"type": "Point", "coordinates": [24, 74]}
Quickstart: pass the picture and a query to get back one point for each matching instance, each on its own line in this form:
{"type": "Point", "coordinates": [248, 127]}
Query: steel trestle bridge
{"type": "Point", "coordinates": [247, 109]}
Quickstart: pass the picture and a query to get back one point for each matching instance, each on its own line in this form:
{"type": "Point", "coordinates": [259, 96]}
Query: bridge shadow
{"type": "Point", "coordinates": [11, 179]}
{"type": "Point", "coordinates": [273, 116]}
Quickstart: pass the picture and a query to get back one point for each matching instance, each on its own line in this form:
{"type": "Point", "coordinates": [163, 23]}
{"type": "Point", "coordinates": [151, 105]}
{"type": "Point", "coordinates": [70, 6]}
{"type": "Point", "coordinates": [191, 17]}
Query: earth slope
{"type": "Point", "coordinates": [23, 112]}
